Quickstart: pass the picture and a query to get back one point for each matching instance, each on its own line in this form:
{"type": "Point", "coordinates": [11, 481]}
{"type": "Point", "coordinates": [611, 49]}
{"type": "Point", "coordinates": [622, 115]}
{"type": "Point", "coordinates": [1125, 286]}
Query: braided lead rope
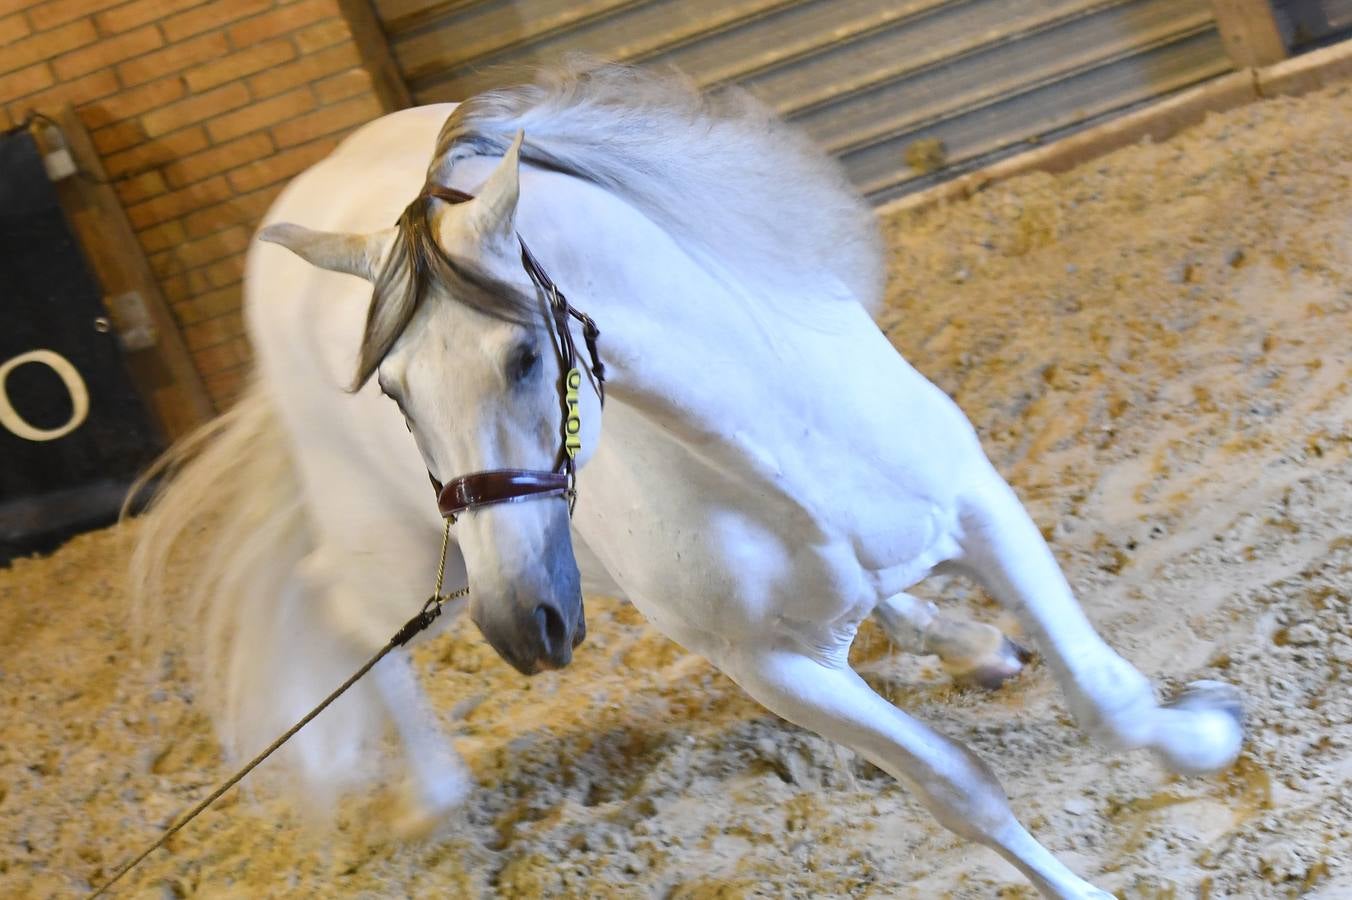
{"type": "Point", "coordinates": [425, 617]}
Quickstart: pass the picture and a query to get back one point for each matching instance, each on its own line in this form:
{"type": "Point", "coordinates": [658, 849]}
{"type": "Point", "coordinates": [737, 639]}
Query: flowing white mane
{"type": "Point", "coordinates": [735, 185]}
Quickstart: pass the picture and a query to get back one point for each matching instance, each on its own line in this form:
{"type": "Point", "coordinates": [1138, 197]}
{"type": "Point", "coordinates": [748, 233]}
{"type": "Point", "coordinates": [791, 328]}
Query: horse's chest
{"type": "Point", "coordinates": [736, 576]}
{"type": "Point", "coordinates": [688, 535]}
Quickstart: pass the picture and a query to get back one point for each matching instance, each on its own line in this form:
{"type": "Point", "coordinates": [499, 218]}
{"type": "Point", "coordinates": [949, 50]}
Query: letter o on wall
{"type": "Point", "coordinates": [70, 377]}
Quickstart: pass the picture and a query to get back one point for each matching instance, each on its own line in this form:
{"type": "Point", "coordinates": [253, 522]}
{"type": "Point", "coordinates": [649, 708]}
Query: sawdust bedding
{"type": "Point", "coordinates": [1156, 350]}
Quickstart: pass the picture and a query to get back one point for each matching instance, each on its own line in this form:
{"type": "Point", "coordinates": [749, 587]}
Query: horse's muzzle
{"type": "Point", "coordinates": [542, 640]}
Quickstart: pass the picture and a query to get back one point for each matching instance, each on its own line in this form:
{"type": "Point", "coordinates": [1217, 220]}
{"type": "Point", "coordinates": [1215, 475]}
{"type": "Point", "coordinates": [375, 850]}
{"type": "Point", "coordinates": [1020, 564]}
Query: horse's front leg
{"type": "Point", "coordinates": [954, 784]}
{"type": "Point", "coordinates": [358, 605]}
{"type": "Point", "coordinates": [970, 652]}
{"type": "Point", "coordinates": [1198, 733]}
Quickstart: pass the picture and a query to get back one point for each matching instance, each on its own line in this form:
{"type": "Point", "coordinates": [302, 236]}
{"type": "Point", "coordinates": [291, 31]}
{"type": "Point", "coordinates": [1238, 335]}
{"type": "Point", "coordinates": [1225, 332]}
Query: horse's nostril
{"type": "Point", "coordinates": [553, 631]}
{"type": "Point", "coordinates": [580, 633]}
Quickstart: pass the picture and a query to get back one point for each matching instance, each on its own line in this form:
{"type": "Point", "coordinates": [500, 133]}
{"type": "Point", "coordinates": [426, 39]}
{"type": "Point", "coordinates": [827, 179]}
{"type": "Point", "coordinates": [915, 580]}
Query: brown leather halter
{"type": "Point", "coordinates": [479, 489]}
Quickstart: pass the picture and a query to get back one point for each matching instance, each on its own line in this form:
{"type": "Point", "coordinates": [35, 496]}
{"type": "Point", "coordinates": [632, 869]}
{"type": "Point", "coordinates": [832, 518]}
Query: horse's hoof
{"type": "Point", "coordinates": [414, 824]}
{"type": "Point", "coordinates": [1001, 664]}
{"type": "Point", "coordinates": [1211, 695]}
{"type": "Point", "coordinates": [1209, 739]}
{"type": "Point", "coordinates": [418, 815]}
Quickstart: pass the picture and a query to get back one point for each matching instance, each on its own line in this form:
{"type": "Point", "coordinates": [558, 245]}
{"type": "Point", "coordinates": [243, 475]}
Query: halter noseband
{"type": "Point", "coordinates": [479, 489]}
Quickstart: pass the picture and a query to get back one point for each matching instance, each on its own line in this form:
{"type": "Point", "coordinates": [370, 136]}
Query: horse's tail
{"type": "Point", "coordinates": [221, 548]}
{"type": "Point", "coordinates": [228, 494]}
{"type": "Point", "coordinates": [226, 519]}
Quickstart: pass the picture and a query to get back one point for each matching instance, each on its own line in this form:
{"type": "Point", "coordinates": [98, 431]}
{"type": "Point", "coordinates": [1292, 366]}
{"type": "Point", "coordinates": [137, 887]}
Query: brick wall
{"type": "Point", "coordinates": [202, 109]}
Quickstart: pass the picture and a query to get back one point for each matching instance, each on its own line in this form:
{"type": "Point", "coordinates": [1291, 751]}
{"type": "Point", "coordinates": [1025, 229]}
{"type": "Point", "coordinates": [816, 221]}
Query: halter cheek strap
{"type": "Point", "coordinates": [496, 486]}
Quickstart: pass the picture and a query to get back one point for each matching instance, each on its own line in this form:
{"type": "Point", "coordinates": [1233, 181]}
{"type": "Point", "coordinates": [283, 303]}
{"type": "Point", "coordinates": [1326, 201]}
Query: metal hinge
{"type": "Point", "coordinates": [132, 320]}
{"type": "Point", "coordinates": [56, 156]}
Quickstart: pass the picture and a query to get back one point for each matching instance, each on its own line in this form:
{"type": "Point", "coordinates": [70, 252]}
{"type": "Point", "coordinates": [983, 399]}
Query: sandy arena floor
{"type": "Point", "coordinates": [1157, 351]}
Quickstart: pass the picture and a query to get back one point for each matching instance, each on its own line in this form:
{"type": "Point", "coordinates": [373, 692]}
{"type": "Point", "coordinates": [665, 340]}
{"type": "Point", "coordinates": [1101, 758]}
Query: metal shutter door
{"type": "Point", "coordinates": [905, 93]}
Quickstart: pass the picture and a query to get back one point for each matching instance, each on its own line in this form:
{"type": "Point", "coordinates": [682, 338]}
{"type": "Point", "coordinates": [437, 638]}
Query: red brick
{"type": "Point", "coordinates": [329, 119]}
{"type": "Point", "coordinates": [237, 65]}
{"type": "Point", "coordinates": [46, 45]}
{"type": "Point", "coordinates": [141, 187]}
{"type": "Point", "coordinates": [107, 52]}
{"type": "Point", "coordinates": [212, 15]}
{"type": "Point", "coordinates": [208, 305]}
{"type": "Point", "coordinates": [304, 70]}
{"type": "Point", "coordinates": [173, 58]}
{"type": "Point", "coordinates": [228, 242]}
{"type": "Point", "coordinates": [162, 237]}
{"type": "Point", "coordinates": [210, 332]}
{"type": "Point", "coordinates": [322, 34]}
{"type": "Point", "coordinates": [226, 271]}
{"type": "Point", "coordinates": [227, 357]}
{"type": "Point", "coordinates": [132, 102]}
{"type": "Point", "coordinates": [25, 82]}
{"type": "Point", "coordinates": [195, 109]}
{"type": "Point", "coordinates": [225, 387]}
{"type": "Point", "coordinates": [282, 20]}
{"type": "Point", "coordinates": [12, 28]}
{"type": "Point", "coordinates": [129, 15]}
{"type": "Point", "coordinates": [197, 282]}
{"type": "Point", "coordinates": [281, 166]}
{"type": "Point", "coordinates": [261, 115]}
{"type": "Point", "coordinates": [91, 87]}
{"type": "Point", "coordinates": [246, 210]}
{"type": "Point", "coordinates": [218, 159]}
{"type": "Point", "coordinates": [222, 356]}
{"type": "Point", "coordinates": [175, 289]}
{"type": "Point", "coordinates": [157, 152]}
{"type": "Point", "coordinates": [164, 264]}
{"type": "Point", "coordinates": [178, 203]}
{"type": "Point", "coordinates": [351, 83]}
{"type": "Point", "coordinates": [58, 12]}
{"type": "Point", "coordinates": [118, 137]}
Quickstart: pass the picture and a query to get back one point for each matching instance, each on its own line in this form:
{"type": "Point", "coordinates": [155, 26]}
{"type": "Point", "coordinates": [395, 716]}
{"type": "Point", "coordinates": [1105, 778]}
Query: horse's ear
{"type": "Point", "coordinates": [355, 254]}
{"type": "Point", "coordinates": [493, 212]}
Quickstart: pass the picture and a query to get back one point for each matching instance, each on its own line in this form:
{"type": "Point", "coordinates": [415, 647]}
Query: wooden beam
{"type": "Point", "coordinates": [1307, 72]}
{"type": "Point", "coordinates": [164, 372]}
{"type": "Point", "coordinates": [374, 49]}
{"type": "Point", "coordinates": [1250, 33]}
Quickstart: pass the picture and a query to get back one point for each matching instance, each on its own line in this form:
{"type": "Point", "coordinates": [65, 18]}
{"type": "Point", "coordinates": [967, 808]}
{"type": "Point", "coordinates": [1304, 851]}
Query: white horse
{"type": "Point", "coordinates": [767, 471]}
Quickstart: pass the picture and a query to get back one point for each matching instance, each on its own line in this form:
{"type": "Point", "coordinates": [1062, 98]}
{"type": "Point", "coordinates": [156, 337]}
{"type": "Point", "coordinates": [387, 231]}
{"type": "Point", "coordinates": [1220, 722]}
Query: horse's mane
{"type": "Point", "coordinates": [736, 186]}
{"type": "Point", "coordinates": [718, 170]}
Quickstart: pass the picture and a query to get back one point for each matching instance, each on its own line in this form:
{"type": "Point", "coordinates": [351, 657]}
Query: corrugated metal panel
{"type": "Point", "coordinates": [1310, 23]}
{"type": "Point", "coordinates": [905, 93]}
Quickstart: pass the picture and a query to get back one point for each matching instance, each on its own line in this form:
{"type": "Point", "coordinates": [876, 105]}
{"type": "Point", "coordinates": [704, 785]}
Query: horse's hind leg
{"type": "Point", "coordinates": [954, 784]}
{"type": "Point", "coordinates": [970, 652]}
{"type": "Point", "coordinates": [1200, 732]}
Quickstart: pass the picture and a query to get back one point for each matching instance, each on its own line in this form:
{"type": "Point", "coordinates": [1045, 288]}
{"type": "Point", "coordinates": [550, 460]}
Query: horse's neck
{"type": "Point", "coordinates": [720, 379]}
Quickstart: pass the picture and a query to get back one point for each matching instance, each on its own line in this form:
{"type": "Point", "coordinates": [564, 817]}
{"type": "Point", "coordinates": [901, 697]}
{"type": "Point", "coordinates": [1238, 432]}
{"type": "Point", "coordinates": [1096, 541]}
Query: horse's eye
{"type": "Point", "coordinates": [523, 362]}
{"type": "Point", "coordinates": [395, 399]}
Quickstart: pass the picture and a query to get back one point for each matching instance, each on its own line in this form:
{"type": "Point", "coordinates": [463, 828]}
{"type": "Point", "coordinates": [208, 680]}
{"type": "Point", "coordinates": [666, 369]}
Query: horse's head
{"type": "Point", "coordinates": [460, 338]}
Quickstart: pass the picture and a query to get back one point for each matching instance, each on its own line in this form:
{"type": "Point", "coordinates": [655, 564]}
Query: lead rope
{"type": "Point", "coordinates": [425, 617]}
